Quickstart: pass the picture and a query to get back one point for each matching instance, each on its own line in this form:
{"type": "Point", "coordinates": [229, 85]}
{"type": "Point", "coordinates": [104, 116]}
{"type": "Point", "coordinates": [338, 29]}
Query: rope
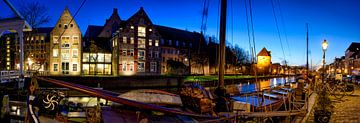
{"type": "Point", "coordinates": [278, 30]}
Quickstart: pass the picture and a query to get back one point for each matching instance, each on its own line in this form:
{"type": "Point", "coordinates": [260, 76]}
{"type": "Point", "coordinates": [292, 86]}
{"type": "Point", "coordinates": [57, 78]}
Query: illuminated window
{"type": "Point", "coordinates": [141, 43]}
{"type": "Point", "coordinates": [55, 52]}
{"type": "Point", "coordinates": [65, 54]}
{"type": "Point", "coordinates": [7, 63]}
{"type": "Point", "coordinates": [8, 46]}
{"type": "Point", "coordinates": [56, 40]}
{"type": "Point", "coordinates": [42, 38]}
{"type": "Point", "coordinates": [156, 42]}
{"type": "Point", "coordinates": [93, 57]}
{"type": "Point", "coordinates": [36, 38]}
{"type": "Point", "coordinates": [56, 67]}
{"type": "Point", "coordinates": [124, 66]}
{"type": "Point", "coordinates": [107, 57]}
{"type": "Point", "coordinates": [131, 40]}
{"type": "Point", "coordinates": [107, 69]}
{"type": "Point", "coordinates": [150, 42]}
{"type": "Point", "coordinates": [141, 54]}
{"type": "Point", "coordinates": [132, 27]}
{"type": "Point", "coordinates": [124, 40]}
{"type": "Point", "coordinates": [124, 52]}
{"type": "Point", "coordinates": [74, 67]}
{"type": "Point", "coordinates": [85, 69]}
{"type": "Point", "coordinates": [141, 31]}
{"type": "Point", "coordinates": [152, 66]}
{"type": "Point", "coordinates": [150, 29]}
{"type": "Point", "coordinates": [75, 53]}
{"type": "Point", "coordinates": [141, 66]}
{"type": "Point", "coordinates": [85, 57]}
{"type": "Point", "coordinates": [75, 40]}
{"type": "Point", "coordinates": [65, 42]}
{"type": "Point", "coordinates": [8, 50]}
{"type": "Point", "coordinates": [101, 57]}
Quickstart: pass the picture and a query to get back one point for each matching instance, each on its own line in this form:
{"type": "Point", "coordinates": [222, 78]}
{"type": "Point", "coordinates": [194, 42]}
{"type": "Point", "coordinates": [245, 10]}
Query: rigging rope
{"type": "Point", "coordinates": [252, 30]}
{"type": "Point", "coordinates": [278, 30]}
{"type": "Point", "coordinates": [284, 28]}
{"type": "Point", "coordinates": [248, 29]}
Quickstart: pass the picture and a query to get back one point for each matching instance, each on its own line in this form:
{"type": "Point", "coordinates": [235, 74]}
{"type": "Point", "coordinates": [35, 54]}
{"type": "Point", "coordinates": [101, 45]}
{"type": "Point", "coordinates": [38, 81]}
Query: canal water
{"type": "Point", "coordinates": [251, 86]}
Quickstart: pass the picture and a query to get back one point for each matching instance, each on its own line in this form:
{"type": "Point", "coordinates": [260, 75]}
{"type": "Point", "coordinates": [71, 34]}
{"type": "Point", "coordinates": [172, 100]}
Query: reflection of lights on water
{"type": "Point", "coordinates": [248, 83]}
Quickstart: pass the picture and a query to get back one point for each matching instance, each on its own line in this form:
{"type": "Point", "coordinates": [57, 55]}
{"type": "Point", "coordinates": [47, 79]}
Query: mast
{"type": "Point", "coordinates": [307, 52]}
{"type": "Point", "coordinates": [222, 43]}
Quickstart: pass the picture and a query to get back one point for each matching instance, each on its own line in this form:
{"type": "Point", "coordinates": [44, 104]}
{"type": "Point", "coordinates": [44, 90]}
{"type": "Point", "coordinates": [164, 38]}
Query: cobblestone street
{"type": "Point", "coordinates": [346, 110]}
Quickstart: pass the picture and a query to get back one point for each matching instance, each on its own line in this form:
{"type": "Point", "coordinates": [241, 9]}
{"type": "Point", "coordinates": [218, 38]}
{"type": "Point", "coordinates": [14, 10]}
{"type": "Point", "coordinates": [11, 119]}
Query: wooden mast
{"type": "Point", "coordinates": [222, 43]}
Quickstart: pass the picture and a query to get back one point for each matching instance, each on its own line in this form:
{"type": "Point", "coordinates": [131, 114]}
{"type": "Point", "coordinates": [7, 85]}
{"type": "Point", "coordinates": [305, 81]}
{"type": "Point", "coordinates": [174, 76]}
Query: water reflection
{"type": "Point", "coordinates": [250, 86]}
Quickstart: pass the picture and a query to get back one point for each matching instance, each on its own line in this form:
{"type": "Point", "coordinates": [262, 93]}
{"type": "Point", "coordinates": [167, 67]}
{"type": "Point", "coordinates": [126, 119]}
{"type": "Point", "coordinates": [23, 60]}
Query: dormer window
{"type": "Point", "coordinates": [65, 26]}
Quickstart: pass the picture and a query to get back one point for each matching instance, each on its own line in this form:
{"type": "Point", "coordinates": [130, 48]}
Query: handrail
{"type": "Point", "coordinates": [108, 96]}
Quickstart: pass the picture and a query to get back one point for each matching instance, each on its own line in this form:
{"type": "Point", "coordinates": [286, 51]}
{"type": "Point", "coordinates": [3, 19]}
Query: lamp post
{"type": "Point", "coordinates": [324, 47]}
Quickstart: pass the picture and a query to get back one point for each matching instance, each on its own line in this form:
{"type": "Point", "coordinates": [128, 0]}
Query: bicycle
{"type": "Point", "coordinates": [336, 89]}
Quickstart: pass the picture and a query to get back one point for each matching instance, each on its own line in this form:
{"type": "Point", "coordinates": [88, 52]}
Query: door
{"type": "Point", "coordinates": [65, 68]}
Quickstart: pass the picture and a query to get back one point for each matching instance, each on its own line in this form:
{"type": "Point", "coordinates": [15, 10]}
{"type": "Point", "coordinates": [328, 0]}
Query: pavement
{"type": "Point", "coordinates": [346, 110]}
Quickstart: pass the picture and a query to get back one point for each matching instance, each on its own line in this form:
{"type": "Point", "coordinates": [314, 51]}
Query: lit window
{"type": "Point", "coordinates": [150, 29]}
{"type": "Point", "coordinates": [141, 43]}
{"type": "Point", "coordinates": [93, 57]}
{"type": "Point", "coordinates": [132, 27]}
{"type": "Point", "coordinates": [85, 69]}
{"type": "Point", "coordinates": [152, 66]}
{"type": "Point", "coordinates": [124, 52]}
{"type": "Point", "coordinates": [65, 54]}
{"type": "Point", "coordinates": [141, 66]}
{"type": "Point", "coordinates": [131, 40]}
{"type": "Point", "coordinates": [124, 40]}
{"type": "Point", "coordinates": [42, 38]}
{"type": "Point", "coordinates": [124, 66]}
{"type": "Point", "coordinates": [150, 42]}
{"type": "Point", "coordinates": [74, 67]}
{"type": "Point", "coordinates": [75, 53]}
{"type": "Point", "coordinates": [101, 57]}
{"type": "Point", "coordinates": [55, 52]}
{"type": "Point", "coordinates": [75, 40]}
{"type": "Point", "coordinates": [107, 57]}
{"type": "Point", "coordinates": [65, 42]}
{"type": "Point", "coordinates": [141, 31]}
{"type": "Point", "coordinates": [141, 54]}
{"type": "Point", "coordinates": [56, 40]}
{"type": "Point", "coordinates": [56, 67]}
{"type": "Point", "coordinates": [156, 42]}
{"type": "Point", "coordinates": [85, 57]}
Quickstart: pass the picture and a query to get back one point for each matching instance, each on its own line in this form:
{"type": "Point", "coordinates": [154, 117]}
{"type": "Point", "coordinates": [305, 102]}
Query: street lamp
{"type": "Point", "coordinates": [324, 48]}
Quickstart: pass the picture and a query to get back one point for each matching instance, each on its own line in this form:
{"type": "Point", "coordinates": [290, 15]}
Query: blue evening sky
{"type": "Point", "coordinates": [338, 21]}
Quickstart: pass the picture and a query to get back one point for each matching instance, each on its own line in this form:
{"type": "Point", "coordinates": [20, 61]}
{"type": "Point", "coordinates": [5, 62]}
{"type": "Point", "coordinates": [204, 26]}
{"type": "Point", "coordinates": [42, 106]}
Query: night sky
{"type": "Point", "coordinates": [334, 20]}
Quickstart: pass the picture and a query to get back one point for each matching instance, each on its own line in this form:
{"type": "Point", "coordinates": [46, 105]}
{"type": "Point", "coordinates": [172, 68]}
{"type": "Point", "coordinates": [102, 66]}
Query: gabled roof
{"type": "Point", "coordinates": [141, 12]}
{"type": "Point", "coordinates": [354, 46]}
{"type": "Point", "coordinates": [111, 25]}
{"type": "Point", "coordinates": [169, 33]}
{"type": "Point", "coordinates": [264, 52]}
{"type": "Point", "coordinates": [93, 31]}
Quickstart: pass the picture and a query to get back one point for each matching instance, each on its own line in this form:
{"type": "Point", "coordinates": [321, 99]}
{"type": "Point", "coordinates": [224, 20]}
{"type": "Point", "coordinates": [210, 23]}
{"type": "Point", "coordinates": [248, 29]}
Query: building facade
{"type": "Point", "coordinates": [136, 49]}
{"type": "Point", "coordinates": [264, 62]}
{"type": "Point", "coordinates": [65, 46]}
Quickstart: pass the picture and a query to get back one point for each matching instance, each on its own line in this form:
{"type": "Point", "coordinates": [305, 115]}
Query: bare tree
{"type": "Point", "coordinates": [34, 13]}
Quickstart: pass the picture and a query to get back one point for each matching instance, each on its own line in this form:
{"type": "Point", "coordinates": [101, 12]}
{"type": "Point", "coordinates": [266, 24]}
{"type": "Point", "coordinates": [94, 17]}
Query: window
{"type": "Point", "coordinates": [177, 43]}
{"type": "Point", "coordinates": [150, 54]}
{"type": "Point", "coordinates": [75, 40]}
{"type": "Point", "coordinates": [162, 41]}
{"type": "Point", "coordinates": [141, 66]}
{"type": "Point", "coordinates": [124, 40]}
{"type": "Point", "coordinates": [55, 52]}
{"type": "Point", "coordinates": [152, 66]}
{"type": "Point", "coordinates": [124, 66]}
{"type": "Point", "coordinates": [131, 40]}
{"type": "Point", "coordinates": [71, 25]}
{"type": "Point", "coordinates": [170, 42]}
{"type": "Point", "coordinates": [75, 53]}
{"type": "Point", "coordinates": [156, 54]}
{"type": "Point", "coordinates": [190, 45]}
{"type": "Point", "coordinates": [141, 43]}
{"type": "Point", "coordinates": [65, 26]}
{"type": "Point", "coordinates": [156, 42]}
{"type": "Point", "coordinates": [101, 57]}
{"type": "Point", "coordinates": [74, 67]}
{"type": "Point", "coordinates": [107, 57]}
{"type": "Point", "coordinates": [124, 52]}
{"type": "Point", "coordinates": [150, 42]}
{"type": "Point", "coordinates": [65, 42]}
{"type": "Point", "coordinates": [131, 52]}
{"type": "Point", "coordinates": [85, 57]}
{"type": "Point", "coordinates": [65, 54]}
{"type": "Point", "coordinates": [93, 57]}
{"type": "Point", "coordinates": [141, 31]}
{"type": "Point", "coordinates": [56, 40]}
{"type": "Point", "coordinates": [141, 54]}
{"type": "Point", "coordinates": [150, 29]}
{"type": "Point", "coordinates": [56, 67]}
{"type": "Point", "coordinates": [59, 25]}
{"type": "Point", "coordinates": [132, 27]}
{"type": "Point", "coordinates": [184, 44]}
{"type": "Point", "coordinates": [131, 66]}
{"type": "Point", "coordinates": [85, 69]}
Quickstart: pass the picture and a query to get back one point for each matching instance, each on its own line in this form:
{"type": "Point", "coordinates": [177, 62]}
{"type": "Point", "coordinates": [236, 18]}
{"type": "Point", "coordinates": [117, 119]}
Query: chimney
{"type": "Point", "coordinates": [115, 11]}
